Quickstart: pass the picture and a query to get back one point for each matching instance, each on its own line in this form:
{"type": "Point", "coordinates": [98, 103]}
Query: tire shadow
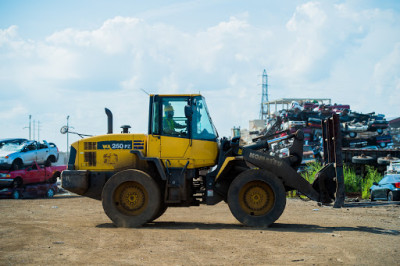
{"type": "Point", "coordinates": [276, 227]}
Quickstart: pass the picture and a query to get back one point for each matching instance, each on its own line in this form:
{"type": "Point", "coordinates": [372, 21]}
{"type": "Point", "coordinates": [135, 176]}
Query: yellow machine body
{"type": "Point", "coordinates": [112, 152]}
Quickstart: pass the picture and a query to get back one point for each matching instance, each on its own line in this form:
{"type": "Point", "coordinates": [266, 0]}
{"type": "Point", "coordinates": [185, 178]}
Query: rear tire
{"type": "Point", "coordinates": [372, 196]}
{"type": "Point", "coordinates": [16, 195]}
{"type": "Point", "coordinates": [18, 182]}
{"type": "Point", "coordinates": [50, 193]}
{"type": "Point", "coordinates": [390, 196]}
{"type": "Point", "coordinates": [131, 198]}
{"type": "Point", "coordinates": [256, 198]}
{"type": "Point", "coordinates": [53, 179]}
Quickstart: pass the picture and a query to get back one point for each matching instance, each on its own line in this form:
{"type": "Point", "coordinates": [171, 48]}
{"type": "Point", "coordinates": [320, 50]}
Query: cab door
{"type": "Point", "coordinates": [174, 128]}
{"type": "Point", "coordinates": [169, 130]}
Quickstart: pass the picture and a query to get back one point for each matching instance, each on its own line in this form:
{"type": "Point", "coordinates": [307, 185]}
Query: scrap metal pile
{"type": "Point", "coordinates": [358, 130]}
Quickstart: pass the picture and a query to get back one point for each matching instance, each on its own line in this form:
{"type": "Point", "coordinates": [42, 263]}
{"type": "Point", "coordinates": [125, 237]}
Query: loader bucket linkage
{"type": "Point", "coordinates": [328, 184]}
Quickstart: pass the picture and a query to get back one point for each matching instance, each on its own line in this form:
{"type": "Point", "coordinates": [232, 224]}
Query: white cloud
{"type": "Point", "coordinates": [13, 111]}
{"type": "Point", "coordinates": [8, 34]}
{"type": "Point", "coordinates": [386, 77]}
{"type": "Point", "coordinates": [306, 15]}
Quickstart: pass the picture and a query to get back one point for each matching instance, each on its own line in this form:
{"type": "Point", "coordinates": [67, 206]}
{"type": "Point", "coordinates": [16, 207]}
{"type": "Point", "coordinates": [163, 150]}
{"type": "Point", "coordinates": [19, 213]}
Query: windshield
{"type": "Point", "coordinates": [202, 126]}
{"type": "Point", "coordinates": [390, 179]}
{"type": "Point", "coordinates": [12, 147]}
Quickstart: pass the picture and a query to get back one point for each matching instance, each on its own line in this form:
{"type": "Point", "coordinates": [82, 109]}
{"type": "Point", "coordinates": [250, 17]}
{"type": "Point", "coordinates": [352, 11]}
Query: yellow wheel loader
{"type": "Point", "coordinates": [182, 162]}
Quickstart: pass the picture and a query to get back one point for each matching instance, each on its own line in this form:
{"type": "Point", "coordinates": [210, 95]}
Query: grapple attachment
{"type": "Point", "coordinates": [329, 181]}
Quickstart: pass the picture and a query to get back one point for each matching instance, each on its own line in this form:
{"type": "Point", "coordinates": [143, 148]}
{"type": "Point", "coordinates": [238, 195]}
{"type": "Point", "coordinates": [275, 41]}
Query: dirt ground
{"type": "Point", "coordinates": [72, 230]}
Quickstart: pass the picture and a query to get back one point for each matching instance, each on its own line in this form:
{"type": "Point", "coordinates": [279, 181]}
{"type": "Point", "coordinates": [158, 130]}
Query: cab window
{"type": "Point", "coordinates": [202, 126]}
{"type": "Point", "coordinates": [174, 122]}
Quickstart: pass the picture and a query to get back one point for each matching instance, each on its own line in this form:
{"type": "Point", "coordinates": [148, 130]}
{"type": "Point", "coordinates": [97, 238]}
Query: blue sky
{"type": "Point", "coordinates": [77, 57]}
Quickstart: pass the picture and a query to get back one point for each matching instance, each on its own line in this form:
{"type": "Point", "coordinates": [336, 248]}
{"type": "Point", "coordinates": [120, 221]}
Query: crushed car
{"type": "Point", "coordinates": [18, 141]}
{"type": "Point", "coordinates": [32, 174]}
{"type": "Point", "coordinates": [14, 155]}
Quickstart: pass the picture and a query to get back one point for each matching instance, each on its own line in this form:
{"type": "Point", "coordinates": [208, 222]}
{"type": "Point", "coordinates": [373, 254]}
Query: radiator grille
{"type": "Point", "coordinates": [89, 146]}
{"type": "Point", "coordinates": [90, 158]}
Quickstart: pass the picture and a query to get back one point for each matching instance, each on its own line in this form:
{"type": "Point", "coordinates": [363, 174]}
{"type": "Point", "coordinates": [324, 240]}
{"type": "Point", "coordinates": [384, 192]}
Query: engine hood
{"type": "Point", "coordinates": [5, 153]}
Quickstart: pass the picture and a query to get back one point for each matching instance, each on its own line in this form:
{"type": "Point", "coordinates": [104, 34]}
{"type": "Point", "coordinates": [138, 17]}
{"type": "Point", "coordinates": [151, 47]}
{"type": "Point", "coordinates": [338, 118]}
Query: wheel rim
{"type": "Point", "coordinates": [50, 193]}
{"type": "Point", "coordinates": [256, 198]}
{"type": "Point", "coordinates": [16, 195]}
{"type": "Point", "coordinates": [131, 198]}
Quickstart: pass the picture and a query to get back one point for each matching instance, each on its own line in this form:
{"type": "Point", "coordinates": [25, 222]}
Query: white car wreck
{"type": "Point", "coordinates": [15, 156]}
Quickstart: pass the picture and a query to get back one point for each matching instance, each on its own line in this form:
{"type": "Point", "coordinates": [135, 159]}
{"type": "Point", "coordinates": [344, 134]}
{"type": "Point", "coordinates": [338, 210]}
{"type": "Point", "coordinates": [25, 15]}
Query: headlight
{"type": "Point", "coordinates": [4, 175]}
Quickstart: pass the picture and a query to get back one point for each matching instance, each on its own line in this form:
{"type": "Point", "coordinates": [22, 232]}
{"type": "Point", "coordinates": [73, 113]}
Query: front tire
{"type": "Point", "coordinates": [131, 198]}
{"type": "Point", "coordinates": [256, 198]}
{"type": "Point", "coordinates": [16, 165]}
{"type": "Point", "coordinates": [162, 210]}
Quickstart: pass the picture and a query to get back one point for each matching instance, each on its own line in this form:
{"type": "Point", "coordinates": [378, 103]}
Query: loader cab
{"type": "Point", "coordinates": [181, 130]}
{"type": "Point", "coordinates": [181, 116]}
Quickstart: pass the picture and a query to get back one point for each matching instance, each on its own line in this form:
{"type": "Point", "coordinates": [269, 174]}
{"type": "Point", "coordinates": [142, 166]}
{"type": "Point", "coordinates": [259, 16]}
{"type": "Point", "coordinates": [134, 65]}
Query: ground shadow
{"type": "Point", "coordinates": [41, 197]}
{"type": "Point", "coordinates": [306, 228]}
{"type": "Point", "coordinates": [370, 204]}
{"type": "Point", "coordinates": [281, 227]}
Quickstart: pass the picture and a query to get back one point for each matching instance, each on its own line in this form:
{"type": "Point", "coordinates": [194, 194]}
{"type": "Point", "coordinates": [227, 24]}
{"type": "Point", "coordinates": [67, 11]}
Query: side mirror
{"type": "Point", "coordinates": [188, 111]}
{"type": "Point", "coordinates": [375, 184]}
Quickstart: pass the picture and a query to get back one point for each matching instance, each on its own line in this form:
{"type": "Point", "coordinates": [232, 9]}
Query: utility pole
{"type": "Point", "coordinates": [67, 136]}
{"type": "Point", "coordinates": [38, 130]}
{"type": "Point", "coordinates": [34, 123]}
{"type": "Point", "coordinates": [264, 112]}
{"type": "Point", "coordinates": [30, 127]}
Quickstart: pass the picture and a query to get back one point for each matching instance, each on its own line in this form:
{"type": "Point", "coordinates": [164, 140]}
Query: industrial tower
{"type": "Point", "coordinates": [264, 97]}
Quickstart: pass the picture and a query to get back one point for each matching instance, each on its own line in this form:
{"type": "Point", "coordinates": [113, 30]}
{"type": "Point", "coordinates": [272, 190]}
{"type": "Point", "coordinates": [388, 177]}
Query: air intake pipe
{"type": "Point", "coordinates": [109, 121]}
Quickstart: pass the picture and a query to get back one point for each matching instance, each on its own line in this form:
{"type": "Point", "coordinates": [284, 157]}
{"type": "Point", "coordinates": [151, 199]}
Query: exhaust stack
{"type": "Point", "coordinates": [109, 121]}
